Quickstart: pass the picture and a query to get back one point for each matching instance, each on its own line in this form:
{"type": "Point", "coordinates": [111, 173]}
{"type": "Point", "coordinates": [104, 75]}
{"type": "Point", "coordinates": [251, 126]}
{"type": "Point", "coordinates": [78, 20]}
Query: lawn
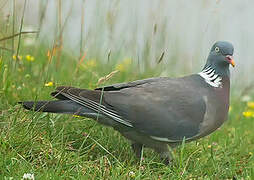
{"type": "Point", "coordinates": [63, 146]}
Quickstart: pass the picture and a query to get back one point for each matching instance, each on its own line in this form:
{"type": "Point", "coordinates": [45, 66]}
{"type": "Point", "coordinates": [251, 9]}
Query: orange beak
{"type": "Point", "coordinates": [230, 60]}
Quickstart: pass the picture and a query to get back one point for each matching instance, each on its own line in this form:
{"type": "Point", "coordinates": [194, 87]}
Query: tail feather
{"type": "Point", "coordinates": [57, 106]}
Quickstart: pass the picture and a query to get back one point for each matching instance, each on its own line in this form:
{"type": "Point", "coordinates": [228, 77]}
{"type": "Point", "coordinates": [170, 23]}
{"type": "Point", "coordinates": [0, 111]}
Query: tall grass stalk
{"type": "Point", "coordinates": [20, 32]}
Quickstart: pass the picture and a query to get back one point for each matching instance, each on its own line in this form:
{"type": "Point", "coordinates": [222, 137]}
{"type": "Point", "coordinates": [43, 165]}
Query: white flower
{"type": "Point", "coordinates": [28, 176]}
{"type": "Point", "coordinates": [132, 174]}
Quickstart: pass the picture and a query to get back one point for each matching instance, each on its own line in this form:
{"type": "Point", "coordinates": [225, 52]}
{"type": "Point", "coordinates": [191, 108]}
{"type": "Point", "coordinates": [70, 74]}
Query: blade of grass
{"type": "Point", "coordinates": [82, 27]}
{"type": "Point", "coordinates": [18, 34]}
{"type": "Point", "coordinates": [42, 14]}
{"type": "Point", "coordinates": [96, 142]}
{"type": "Point", "coordinates": [60, 35]}
{"type": "Point", "coordinates": [20, 30]}
{"type": "Point", "coordinates": [13, 24]}
{"type": "Point", "coordinates": [161, 57]}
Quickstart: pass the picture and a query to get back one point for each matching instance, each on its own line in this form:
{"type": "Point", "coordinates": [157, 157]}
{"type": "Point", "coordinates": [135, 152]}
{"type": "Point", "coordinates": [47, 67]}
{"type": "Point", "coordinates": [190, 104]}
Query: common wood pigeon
{"type": "Point", "coordinates": [155, 112]}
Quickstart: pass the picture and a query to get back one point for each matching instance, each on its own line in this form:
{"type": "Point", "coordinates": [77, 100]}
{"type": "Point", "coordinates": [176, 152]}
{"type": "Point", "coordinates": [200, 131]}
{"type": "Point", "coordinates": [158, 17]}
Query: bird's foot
{"type": "Point", "coordinates": [164, 153]}
{"type": "Point", "coordinates": [167, 161]}
{"type": "Point", "coordinates": [137, 148]}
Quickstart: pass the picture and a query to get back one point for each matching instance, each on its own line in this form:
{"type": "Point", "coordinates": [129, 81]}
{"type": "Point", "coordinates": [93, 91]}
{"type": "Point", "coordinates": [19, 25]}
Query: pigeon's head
{"type": "Point", "coordinates": [221, 56]}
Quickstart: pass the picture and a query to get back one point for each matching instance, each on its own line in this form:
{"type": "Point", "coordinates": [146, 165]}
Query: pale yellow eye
{"type": "Point", "coordinates": [217, 49]}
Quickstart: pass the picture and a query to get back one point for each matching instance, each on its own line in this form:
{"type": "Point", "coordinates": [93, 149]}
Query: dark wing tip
{"type": "Point", "coordinates": [27, 105]}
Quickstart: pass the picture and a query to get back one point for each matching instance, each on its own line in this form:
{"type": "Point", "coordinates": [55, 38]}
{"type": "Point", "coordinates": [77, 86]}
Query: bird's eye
{"type": "Point", "coordinates": [217, 49]}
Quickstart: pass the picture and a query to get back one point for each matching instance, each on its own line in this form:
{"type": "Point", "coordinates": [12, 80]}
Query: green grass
{"type": "Point", "coordinates": [62, 146]}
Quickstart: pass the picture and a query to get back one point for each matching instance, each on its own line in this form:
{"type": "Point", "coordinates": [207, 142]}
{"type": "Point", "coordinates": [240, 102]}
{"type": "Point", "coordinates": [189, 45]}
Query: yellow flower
{"type": "Point", "coordinates": [76, 116]}
{"type": "Point", "coordinates": [127, 61]}
{"type": "Point", "coordinates": [250, 104]}
{"type": "Point", "coordinates": [15, 57]}
{"type": "Point", "coordinates": [230, 109]}
{"type": "Point", "coordinates": [124, 65]}
{"type": "Point", "coordinates": [120, 67]}
{"type": "Point", "coordinates": [49, 84]}
{"type": "Point", "coordinates": [248, 114]}
{"type": "Point", "coordinates": [91, 63]}
{"type": "Point", "coordinates": [29, 58]}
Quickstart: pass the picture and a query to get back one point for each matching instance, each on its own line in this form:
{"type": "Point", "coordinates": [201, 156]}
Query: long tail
{"type": "Point", "coordinates": [57, 106]}
{"type": "Point", "coordinates": [67, 107]}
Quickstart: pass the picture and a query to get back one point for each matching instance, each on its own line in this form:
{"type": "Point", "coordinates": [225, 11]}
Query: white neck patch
{"type": "Point", "coordinates": [211, 77]}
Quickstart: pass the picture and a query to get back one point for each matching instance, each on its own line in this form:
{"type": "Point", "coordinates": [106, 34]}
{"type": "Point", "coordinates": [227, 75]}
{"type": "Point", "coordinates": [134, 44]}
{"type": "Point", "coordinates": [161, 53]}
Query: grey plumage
{"type": "Point", "coordinates": [155, 112]}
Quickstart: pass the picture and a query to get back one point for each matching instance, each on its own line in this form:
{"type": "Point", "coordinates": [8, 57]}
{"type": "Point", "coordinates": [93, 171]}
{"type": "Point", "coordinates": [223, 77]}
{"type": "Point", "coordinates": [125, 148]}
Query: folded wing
{"type": "Point", "coordinates": [158, 107]}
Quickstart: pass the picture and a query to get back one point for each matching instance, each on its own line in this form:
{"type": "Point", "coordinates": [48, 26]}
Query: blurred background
{"type": "Point", "coordinates": [181, 31]}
